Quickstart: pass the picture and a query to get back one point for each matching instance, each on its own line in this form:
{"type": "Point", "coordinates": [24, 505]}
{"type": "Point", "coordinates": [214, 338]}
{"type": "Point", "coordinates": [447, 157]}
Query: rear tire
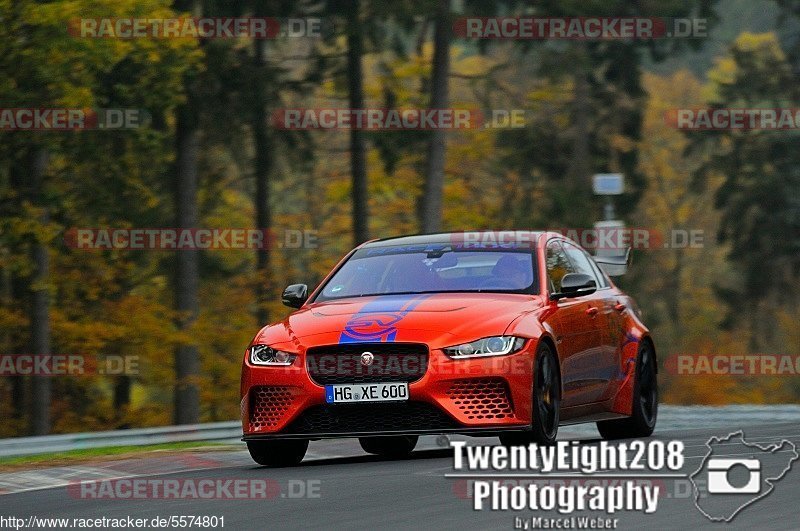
{"type": "Point", "coordinates": [278, 453]}
{"type": "Point", "coordinates": [389, 446]}
{"type": "Point", "coordinates": [642, 421]}
{"type": "Point", "coordinates": [545, 403]}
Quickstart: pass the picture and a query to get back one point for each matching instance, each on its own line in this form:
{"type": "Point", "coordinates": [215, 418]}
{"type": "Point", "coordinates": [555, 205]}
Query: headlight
{"type": "Point", "coordinates": [266, 355]}
{"type": "Point", "coordinates": [488, 346]}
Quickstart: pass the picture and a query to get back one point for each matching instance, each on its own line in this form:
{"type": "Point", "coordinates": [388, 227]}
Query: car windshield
{"type": "Point", "coordinates": [431, 269]}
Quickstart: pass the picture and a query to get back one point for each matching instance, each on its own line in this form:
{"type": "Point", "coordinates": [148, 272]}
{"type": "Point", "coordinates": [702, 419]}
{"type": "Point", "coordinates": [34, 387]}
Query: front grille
{"type": "Point", "coordinates": [481, 398]}
{"type": "Point", "coordinates": [369, 418]}
{"type": "Point", "coordinates": [268, 405]}
{"type": "Point", "coordinates": [393, 362]}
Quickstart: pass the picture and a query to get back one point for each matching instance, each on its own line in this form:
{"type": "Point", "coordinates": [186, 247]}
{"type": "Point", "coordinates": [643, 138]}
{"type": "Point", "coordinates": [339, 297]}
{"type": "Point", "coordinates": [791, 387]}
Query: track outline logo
{"type": "Point", "coordinates": [770, 481]}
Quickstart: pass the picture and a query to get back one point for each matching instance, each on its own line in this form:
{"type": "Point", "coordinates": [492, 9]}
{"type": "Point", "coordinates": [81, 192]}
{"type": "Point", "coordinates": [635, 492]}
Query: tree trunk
{"type": "Point", "coordinates": [355, 88]}
{"type": "Point", "coordinates": [674, 297]}
{"type": "Point", "coordinates": [122, 394]}
{"type": "Point", "coordinates": [14, 292]}
{"type": "Point", "coordinates": [40, 301]}
{"type": "Point", "coordinates": [17, 382]}
{"type": "Point", "coordinates": [123, 383]}
{"type": "Point", "coordinates": [187, 361]}
{"type": "Point", "coordinates": [580, 165]}
{"type": "Point", "coordinates": [434, 170]}
{"type": "Point", "coordinates": [187, 148]}
{"type": "Point", "coordinates": [263, 165]}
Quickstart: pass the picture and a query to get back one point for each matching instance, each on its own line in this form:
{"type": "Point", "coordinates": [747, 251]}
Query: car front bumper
{"type": "Point", "coordinates": [479, 396]}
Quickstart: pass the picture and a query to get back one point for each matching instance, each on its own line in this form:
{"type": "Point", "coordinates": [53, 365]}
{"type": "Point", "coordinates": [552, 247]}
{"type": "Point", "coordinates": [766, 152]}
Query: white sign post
{"type": "Point", "coordinates": [610, 184]}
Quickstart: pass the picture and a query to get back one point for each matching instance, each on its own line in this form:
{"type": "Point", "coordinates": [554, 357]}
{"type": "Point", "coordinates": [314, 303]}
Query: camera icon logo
{"type": "Point", "coordinates": [719, 481]}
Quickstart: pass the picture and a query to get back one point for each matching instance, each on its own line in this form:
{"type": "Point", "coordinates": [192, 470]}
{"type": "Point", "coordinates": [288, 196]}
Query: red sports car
{"type": "Point", "coordinates": [473, 333]}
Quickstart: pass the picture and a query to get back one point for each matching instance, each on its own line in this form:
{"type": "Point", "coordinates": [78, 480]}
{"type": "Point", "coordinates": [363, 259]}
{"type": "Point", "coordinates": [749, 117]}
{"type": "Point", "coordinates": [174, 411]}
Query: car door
{"type": "Point", "coordinates": [577, 333]}
{"type": "Point", "coordinates": [615, 304]}
{"type": "Point", "coordinates": [600, 364]}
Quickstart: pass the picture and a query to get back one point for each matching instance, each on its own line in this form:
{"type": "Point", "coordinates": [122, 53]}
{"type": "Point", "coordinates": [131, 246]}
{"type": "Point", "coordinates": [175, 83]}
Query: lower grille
{"type": "Point", "coordinates": [268, 405]}
{"type": "Point", "coordinates": [370, 418]}
{"type": "Point", "coordinates": [481, 398]}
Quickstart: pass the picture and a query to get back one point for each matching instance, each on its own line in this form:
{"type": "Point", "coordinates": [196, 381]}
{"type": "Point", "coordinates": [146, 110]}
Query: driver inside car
{"type": "Point", "coordinates": [511, 273]}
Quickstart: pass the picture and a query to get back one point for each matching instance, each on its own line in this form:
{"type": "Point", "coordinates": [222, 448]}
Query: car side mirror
{"type": "Point", "coordinates": [295, 295]}
{"type": "Point", "coordinates": [576, 285]}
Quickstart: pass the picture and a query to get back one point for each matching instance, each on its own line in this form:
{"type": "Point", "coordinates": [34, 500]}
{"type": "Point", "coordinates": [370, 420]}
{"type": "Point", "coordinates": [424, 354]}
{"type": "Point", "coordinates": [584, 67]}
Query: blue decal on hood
{"type": "Point", "coordinates": [375, 321]}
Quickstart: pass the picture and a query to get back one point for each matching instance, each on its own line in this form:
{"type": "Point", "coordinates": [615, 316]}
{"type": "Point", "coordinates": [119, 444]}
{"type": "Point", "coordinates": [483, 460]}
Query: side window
{"type": "Point", "coordinates": [601, 277]}
{"type": "Point", "coordinates": [582, 263]}
{"type": "Point", "coordinates": [558, 265]}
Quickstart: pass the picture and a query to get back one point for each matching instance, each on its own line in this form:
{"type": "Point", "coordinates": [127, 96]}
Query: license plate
{"type": "Point", "coordinates": [374, 392]}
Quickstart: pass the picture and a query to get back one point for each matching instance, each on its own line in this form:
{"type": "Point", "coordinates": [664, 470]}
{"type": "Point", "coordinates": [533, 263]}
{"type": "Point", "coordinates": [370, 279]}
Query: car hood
{"type": "Point", "coordinates": [421, 317]}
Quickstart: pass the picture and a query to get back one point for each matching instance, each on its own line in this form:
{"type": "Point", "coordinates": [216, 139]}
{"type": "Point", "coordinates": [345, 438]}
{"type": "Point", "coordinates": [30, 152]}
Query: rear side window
{"type": "Point", "coordinates": [604, 283]}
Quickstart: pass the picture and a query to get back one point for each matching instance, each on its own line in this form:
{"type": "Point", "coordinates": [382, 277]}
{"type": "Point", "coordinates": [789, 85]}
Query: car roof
{"type": "Point", "coordinates": [484, 236]}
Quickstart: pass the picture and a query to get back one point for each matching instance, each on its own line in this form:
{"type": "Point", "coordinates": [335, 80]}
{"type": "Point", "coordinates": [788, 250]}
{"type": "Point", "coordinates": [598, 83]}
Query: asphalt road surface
{"type": "Point", "coordinates": [339, 487]}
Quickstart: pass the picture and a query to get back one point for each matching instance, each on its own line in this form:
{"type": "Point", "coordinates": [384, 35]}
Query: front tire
{"type": "Point", "coordinates": [642, 421]}
{"type": "Point", "coordinates": [546, 402]}
{"type": "Point", "coordinates": [389, 446]}
{"type": "Point", "coordinates": [278, 453]}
